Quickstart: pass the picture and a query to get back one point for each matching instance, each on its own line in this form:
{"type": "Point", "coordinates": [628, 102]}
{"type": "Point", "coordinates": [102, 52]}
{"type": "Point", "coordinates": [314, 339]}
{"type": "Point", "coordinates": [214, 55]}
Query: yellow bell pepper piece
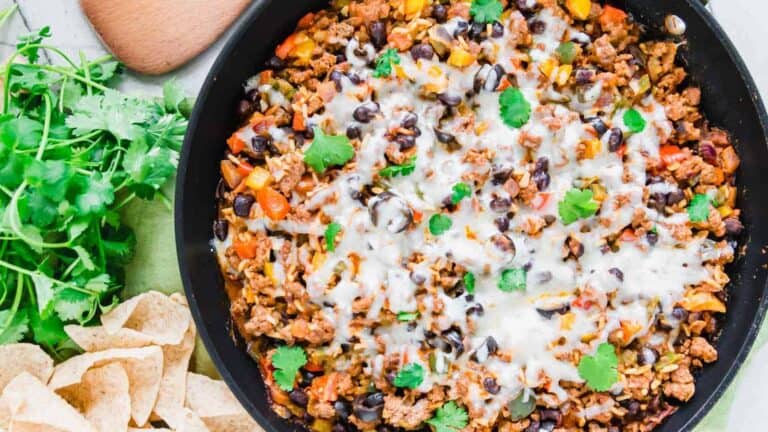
{"type": "Point", "coordinates": [579, 9]}
{"type": "Point", "coordinates": [460, 58]}
{"type": "Point", "coordinates": [725, 211]}
{"type": "Point", "coordinates": [592, 148]}
{"type": "Point", "coordinates": [318, 260]}
{"type": "Point", "coordinates": [414, 7]}
{"type": "Point", "coordinates": [548, 67]}
{"type": "Point", "coordinates": [258, 179]}
{"type": "Point", "coordinates": [567, 320]}
{"type": "Point", "coordinates": [269, 272]}
{"type": "Point", "coordinates": [563, 73]}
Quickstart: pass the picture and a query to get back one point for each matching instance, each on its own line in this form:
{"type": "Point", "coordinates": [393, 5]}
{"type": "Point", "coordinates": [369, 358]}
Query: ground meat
{"type": "Point", "coordinates": [604, 52]}
{"type": "Point", "coordinates": [404, 415]}
{"type": "Point", "coordinates": [729, 160]}
{"type": "Point", "coordinates": [263, 321]}
{"type": "Point", "coordinates": [660, 58]}
{"type": "Point", "coordinates": [518, 26]}
{"type": "Point", "coordinates": [682, 387]}
{"type": "Point", "coordinates": [371, 10]}
{"type": "Point", "coordinates": [288, 168]}
{"type": "Point", "coordinates": [701, 349]}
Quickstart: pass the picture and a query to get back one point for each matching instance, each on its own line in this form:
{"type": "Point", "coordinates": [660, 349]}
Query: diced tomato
{"type": "Point", "coordinates": [306, 21]}
{"type": "Point", "coordinates": [399, 40]}
{"type": "Point", "coordinates": [298, 122]}
{"type": "Point", "coordinates": [313, 367]}
{"type": "Point", "coordinates": [503, 84]}
{"type": "Point", "coordinates": [417, 216]}
{"type": "Point", "coordinates": [622, 151]}
{"type": "Point", "coordinates": [671, 154]}
{"type": "Point", "coordinates": [540, 200]}
{"type": "Point", "coordinates": [285, 48]}
{"type": "Point", "coordinates": [582, 302]}
{"type": "Point", "coordinates": [325, 387]}
{"type": "Point", "coordinates": [247, 249]}
{"type": "Point", "coordinates": [612, 16]}
{"type": "Point", "coordinates": [230, 174]}
{"type": "Point", "coordinates": [274, 204]}
{"type": "Point", "coordinates": [326, 90]}
{"type": "Point", "coordinates": [628, 235]}
{"type": "Point", "coordinates": [236, 144]}
{"type": "Point", "coordinates": [266, 76]}
{"type": "Point", "coordinates": [244, 168]}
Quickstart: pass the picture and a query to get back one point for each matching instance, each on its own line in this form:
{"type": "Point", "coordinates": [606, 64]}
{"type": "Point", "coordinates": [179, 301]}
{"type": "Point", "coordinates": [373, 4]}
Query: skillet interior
{"type": "Point", "coordinates": [730, 100]}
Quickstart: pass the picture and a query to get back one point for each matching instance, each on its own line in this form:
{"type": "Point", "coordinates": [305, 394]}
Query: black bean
{"type": "Point", "coordinates": [616, 272]}
{"type": "Point", "coordinates": [307, 377]}
{"type": "Point", "coordinates": [353, 132]}
{"type": "Point", "coordinates": [548, 313]}
{"type": "Point", "coordinates": [551, 415]}
{"type": "Point", "coordinates": [537, 26]}
{"type": "Point", "coordinates": [547, 426]}
{"type": "Point", "coordinates": [575, 246]}
{"type": "Point", "coordinates": [355, 78]}
{"type": "Point", "coordinates": [378, 32]}
{"type": "Point", "coordinates": [504, 243]}
{"type": "Point", "coordinates": [417, 278]}
{"type": "Point", "coordinates": [439, 12]}
{"type": "Point", "coordinates": [653, 180]}
{"type": "Point", "coordinates": [733, 226]}
{"type": "Point", "coordinates": [422, 51]}
{"type": "Point", "coordinates": [337, 427]}
{"type": "Point", "coordinates": [336, 78]}
{"type": "Point", "coordinates": [341, 58]}
{"type": "Point", "coordinates": [343, 409]}
{"type": "Point", "coordinates": [497, 29]}
{"type": "Point", "coordinates": [221, 229]}
{"type": "Point", "coordinates": [657, 201]}
{"type": "Point", "coordinates": [633, 409]}
{"type": "Point", "coordinates": [584, 76]}
{"type": "Point", "coordinates": [492, 345]}
{"type": "Point", "coordinates": [366, 112]}
{"type": "Point", "coordinates": [502, 223]}
{"type": "Point", "coordinates": [675, 197]}
{"type": "Point", "coordinates": [453, 338]}
{"type": "Point", "coordinates": [500, 205]}
{"type": "Point", "coordinates": [549, 219]}
{"type": "Point", "coordinates": [477, 30]}
{"type": "Point", "coordinates": [309, 133]}
{"type": "Point", "coordinates": [527, 6]}
{"type": "Point", "coordinates": [475, 309]}
{"type": "Point", "coordinates": [652, 237]}
{"type": "Point", "coordinates": [708, 153]}
{"type": "Point", "coordinates": [242, 205]}
{"type": "Point", "coordinates": [409, 120]}
{"type": "Point", "coordinates": [491, 386]}
{"type": "Point", "coordinates": [449, 100]}
{"type": "Point", "coordinates": [299, 397]}
{"type": "Point", "coordinates": [647, 356]}
{"type": "Point", "coordinates": [500, 174]}
{"type": "Point", "coordinates": [534, 426]}
{"type": "Point", "coordinates": [461, 28]}
{"type": "Point", "coordinates": [275, 62]}
{"type": "Point", "coordinates": [444, 137]}
{"type": "Point", "coordinates": [615, 138]}
{"type": "Point", "coordinates": [244, 109]}
{"type": "Point", "coordinates": [405, 142]}
{"type": "Point", "coordinates": [541, 179]}
{"type": "Point", "coordinates": [679, 313]}
{"type": "Point", "coordinates": [598, 124]}
{"type": "Point", "coordinates": [260, 145]}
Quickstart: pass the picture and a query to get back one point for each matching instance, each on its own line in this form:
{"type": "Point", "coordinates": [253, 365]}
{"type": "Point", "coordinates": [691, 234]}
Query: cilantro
{"type": "Point", "coordinates": [577, 204]}
{"type": "Point", "coordinates": [112, 112]}
{"type": "Point", "coordinates": [384, 63]}
{"type": "Point", "coordinates": [149, 167]}
{"type": "Point", "coordinates": [328, 150]}
{"type": "Point", "coordinates": [521, 407]}
{"type": "Point", "coordinates": [287, 361]}
{"type": "Point", "coordinates": [460, 191]}
{"type": "Point", "coordinates": [566, 51]}
{"type": "Point", "coordinates": [514, 109]}
{"type": "Point", "coordinates": [439, 224]}
{"type": "Point", "coordinates": [512, 280]}
{"type": "Point", "coordinates": [410, 376]}
{"type": "Point", "coordinates": [698, 209]}
{"type": "Point", "coordinates": [486, 11]}
{"type": "Point", "coordinates": [599, 370]}
{"type": "Point", "coordinates": [13, 326]}
{"type": "Point", "coordinates": [399, 170]}
{"type": "Point", "coordinates": [634, 121]}
{"type": "Point", "coordinates": [46, 331]}
{"type": "Point", "coordinates": [407, 316]}
{"type": "Point", "coordinates": [449, 418]}
{"type": "Point", "coordinates": [469, 282]}
{"type": "Point", "coordinates": [26, 42]}
{"type": "Point", "coordinates": [21, 132]}
{"type": "Point", "coordinates": [330, 236]}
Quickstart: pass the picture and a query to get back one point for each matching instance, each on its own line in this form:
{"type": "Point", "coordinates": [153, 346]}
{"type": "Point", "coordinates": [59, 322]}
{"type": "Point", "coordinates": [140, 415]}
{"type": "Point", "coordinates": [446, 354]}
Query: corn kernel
{"type": "Point", "coordinates": [469, 233]}
{"type": "Point", "coordinates": [563, 73]}
{"type": "Point", "coordinates": [460, 58]}
{"type": "Point", "coordinates": [548, 67]}
{"type": "Point", "coordinates": [318, 260]}
{"type": "Point", "coordinates": [599, 193]}
{"type": "Point", "coordinates": [414, 7]}
{"type": "Point", "coordinates": [579, 9]}
{"type": "Point", "coordinates": [258, 179]}
{"type": "Point", "coordinates": [588, 337]}
{"type": "Point", "coordinates": [304, 47]}
{"type": "Point", "coordinates": [269, 272]}
{"type": "Point", "coordinates": [725, 211]}
{"type": "Point", "coordinates": [250, 295]}
{"type": "Point", "coordinates": [592, 148]}
{"type": "Point", "coordinates": [434, 71]}
{"type": "Point", "coordinates": [400, 72]}
{"type": "Point", "coordinates": [567, 320]}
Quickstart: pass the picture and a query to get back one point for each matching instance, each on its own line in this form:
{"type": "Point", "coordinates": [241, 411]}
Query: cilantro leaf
{"type": "Point", "coordinates": [407, 316]}
{"type": "Point", "coordinates": [566, 52]}
{"type": "Point", "coordinates": [513, 280]}
{"type": "Point", "coordinates": [514, 109]}
{"type": "Point", "coordinates": [460, 191]}
{"type": "Point", "coordinates": [33, 38]}
{"type": "Point", "coordinates": [577, 204]}
{"type": "Point", "coordinates": [599, 370]}
{"type": "Point", "coordinates": [95, 195]}
{"type": "Point", "coordinates": [384, 63]}
{"type": "Point", "coordinates": [328, 150]}
{"type": "Point", "coordinates": [449, 418]}
{"type": "Point", "coordinates": [73, 305]}
{"type": "Point", "coordinates": [410, 376]}
{"type": "Point", "coordinates": [113, 112]}
{"type": "Point", "coordinates": [330, 236]}
{"type": "Point", "coordinates": [149, 167]}
{"type": "Point", "coordinates": [45, 294]}
{"type": "Point", "coordinates": [469, 282]}
{"type": "Point", "coordinates": [634, 121]}
{"type": "Point", "coordinates": [439, 224]}
{"type": "Point", "coordinates": [105, 71]}
{"type": "Point", "coordinates": [119, 245]}
{"type": "Point", "coordinates": [21, 133]}
{"type": "Point", "coordinates": [38, 208]}
{"type": "Point", "coordinates": [51, 177]}
{"type": "Point", "coordinates": [49, 331]}
{"type": "Point", "coordinates": [31, 79]}
{"type": "Point", "coordinates": [287, 361]}
{"type": "Point", "coordinates": [520, 407]}
{"type": "Point", "coordinates": [12, 167]}
{"type": "Point", "coordinates": [399, 170]}
{"type": "Point", "coordinates": [698, 209]}
{"type": "Point", "coordinates": [486, 11]}
{"type": "Point", "coordinates": [173, 95]}
{"type": "Point", "coordinates": [13, 327]}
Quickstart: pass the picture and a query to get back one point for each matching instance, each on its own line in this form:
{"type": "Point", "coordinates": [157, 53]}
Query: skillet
{"type": "Point", "coordinates": [730, 101]}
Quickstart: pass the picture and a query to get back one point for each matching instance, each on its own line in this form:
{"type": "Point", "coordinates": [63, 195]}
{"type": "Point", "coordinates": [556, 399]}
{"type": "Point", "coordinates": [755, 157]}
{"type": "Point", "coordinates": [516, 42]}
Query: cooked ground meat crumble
{"type": "Point", "coordinates": [476, 215]}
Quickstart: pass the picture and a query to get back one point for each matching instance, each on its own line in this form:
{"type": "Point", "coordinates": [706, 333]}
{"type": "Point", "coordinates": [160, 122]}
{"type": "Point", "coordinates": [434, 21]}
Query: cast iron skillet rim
{"type": "Point", "coordinates": [241, 26]}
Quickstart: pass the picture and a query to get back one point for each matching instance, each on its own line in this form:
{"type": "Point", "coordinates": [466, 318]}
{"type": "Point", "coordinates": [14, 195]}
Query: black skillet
{"type": "Point", "coordinates": [730, 101]}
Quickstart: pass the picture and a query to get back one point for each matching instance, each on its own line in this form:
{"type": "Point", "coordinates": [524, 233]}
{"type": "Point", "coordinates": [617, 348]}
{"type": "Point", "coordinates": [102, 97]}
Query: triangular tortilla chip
{"type": "Point", "coordinates": [24, 357]}
{"type": "Point", "coordinates": [33, 406]}
{"type": "Point", "coordinates": [130, 429]}
{"type": "Point", "coordinates": [153, 314]}
{"type": "Point", "coordinates": [217, 406]}
{"type": "Point", "coordinates": [144, 367]}
{"type": "Point", "coordinates": [173, 387]}
{"type": "Point", "coordinates": [184, 420]}
{"type": "Point", "coordinates": [103, 397]}
{"type": "Point", "coordinates": [96, 338]}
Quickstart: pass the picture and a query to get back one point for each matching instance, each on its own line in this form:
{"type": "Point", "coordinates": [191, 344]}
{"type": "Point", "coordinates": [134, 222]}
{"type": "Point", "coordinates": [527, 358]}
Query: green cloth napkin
{"type": "Point", "coordinates": [155, 268]}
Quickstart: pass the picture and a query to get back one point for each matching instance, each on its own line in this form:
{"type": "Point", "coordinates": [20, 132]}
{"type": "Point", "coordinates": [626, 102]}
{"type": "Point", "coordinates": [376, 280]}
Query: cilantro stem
{"type": "Point", "coordinates": [16, 303]}
{"type": "Point", "coordinates": [31, 273]}
{"type": "Point", "coordinates": [86, 72]}
{"type": "Point", "coordinates": [7, 14]}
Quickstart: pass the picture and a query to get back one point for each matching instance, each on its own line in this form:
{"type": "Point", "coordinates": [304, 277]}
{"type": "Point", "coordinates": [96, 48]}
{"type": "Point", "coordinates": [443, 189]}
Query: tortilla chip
{"type": "Point", "coordinates": [144, 367]}
{"type": "Point", "coordinates": [35, 407]}
{"type": "Point", "coordinates": [130, 429]}
{"type": "Point", "coordinates": [153, 314]}
{"type": "Point", "coordinates": [103, 397]}
{"type": "Point", "coordinates": [173, 386]}
{"type": "Point", "coordinates": [24, 357]}
{"type": "Point", "coordinates": [184, 420]}
{"type": "Point", "coordinates": [93, 339]}
{"type": "Point", "coordinates": [216, 405]}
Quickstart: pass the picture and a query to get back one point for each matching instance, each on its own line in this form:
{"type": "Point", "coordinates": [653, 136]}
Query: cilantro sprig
{"type": "Point", "coordinates": [634, 121]}
{"type": "Point", "coordinates": [514, 108]}
{"type": "Point", "coordinates": [404, 169]}
{"type": "Point", "coordinates": [460, 191]}
{"type": "Point", "coordinates": [328, 150]}
{"type": "Point", "coordinates": [486, 11]}
{"type": "Point", "coordinates": [698, 209]}
{"type": "Point", "coordinates": [449, 418]}
{"type": "Point", "coordinates": [410, 376]}
{"type": "Point", "coordinates": [287, 361]}
{"type": "Point", "coordinates": [469, 282]}
{"type": "Point", "coordinates": [384, 63]}
{"type": "Point", "coordinates": [331, 231]}
{"type": "Point", "coordinates": [577, 204]}
{"type": "Point", "coordinates": [513, 280]}
{"type": "Point", "coordinates": [439, 224]}
{"type": "Point", "coordinates": [73, 153]}
{"type": "Point", "coordinates": [599, 370]}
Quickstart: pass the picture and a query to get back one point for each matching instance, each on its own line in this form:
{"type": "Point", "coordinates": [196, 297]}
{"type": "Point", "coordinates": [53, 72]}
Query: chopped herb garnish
{"type": "Point", "coordinates": [407, 316]}
{"type": "Point", "coordinates": [399, 170]}
{"type": "Point", "coordinates": [486, 11]}
{"type": "Point", "coordinates": [449, 418]}
{"type": "Point", "coordinates": [384, 63]}
{"type": "Point", "coordinates": [514, 109]}
{"type": "Point", "coordinates": [577, 204]}
{"type": "Point", "coordinates": [634, 121]}
{"type": "Point", "coordinates": [599, 370]}
{"type": "Point", "coordinates": [566, 52]}
{"type": "Point", "coordinates": [469, 282]}
{"type": "Point", "coordinates": [287, 361]}
{"type": "Point", "coordinates": [512, 280]}
{"type": "Point", "coordinates": [460, 191]}
{"type": "Point", "coordinates": [439, 223]}
{"type": "Point", "coordinates": [328, 150]}
{"type": "Point", "coordinates": [410, 376]}
{"type": "Point", "coordinates": [698, 210]}
{"type": "Point", "coordinates": [521, 407]}
{"type": "Point", "coordinates": [330, 236]}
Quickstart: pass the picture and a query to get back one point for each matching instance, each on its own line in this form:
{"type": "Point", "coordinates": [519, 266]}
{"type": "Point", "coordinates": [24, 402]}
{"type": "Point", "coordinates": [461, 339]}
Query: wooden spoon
{"type": "Point", "coordinates": [157, 36]}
